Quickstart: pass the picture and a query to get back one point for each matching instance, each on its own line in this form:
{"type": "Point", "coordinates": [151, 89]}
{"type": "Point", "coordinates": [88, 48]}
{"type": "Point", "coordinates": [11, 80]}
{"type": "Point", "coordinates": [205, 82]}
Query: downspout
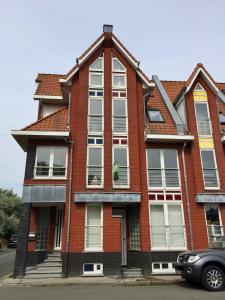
{"type": "Point", "coordinates": [187, 196]}
{"type": "Point", "coordinates": [69, 208]}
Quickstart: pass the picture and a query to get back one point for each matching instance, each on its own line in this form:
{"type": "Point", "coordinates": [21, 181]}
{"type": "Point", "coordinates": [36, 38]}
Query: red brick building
{"type": "Point", "coordinates": [121, 171]}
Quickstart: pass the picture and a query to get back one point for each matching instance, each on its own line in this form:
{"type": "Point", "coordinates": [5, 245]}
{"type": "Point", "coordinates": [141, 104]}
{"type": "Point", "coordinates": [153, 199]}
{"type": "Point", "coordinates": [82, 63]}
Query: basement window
{"type": "Point", "coordinates": [92, 269]}
{"type": "Point", "coordinates": [155, 116]}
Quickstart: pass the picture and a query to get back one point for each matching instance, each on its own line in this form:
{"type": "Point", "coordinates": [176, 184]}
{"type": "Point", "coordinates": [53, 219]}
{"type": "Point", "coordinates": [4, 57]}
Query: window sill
{"type": "Point", "coordinates": [49, 178]}
{"type": "Point", "coordinates": [121, 187]}
{"type": "Point", "coordinates": [95, 187]}
{"type": "Point", "coordinates": [92, 251]}
{"type": "Point", "coordinates": [168, 249]}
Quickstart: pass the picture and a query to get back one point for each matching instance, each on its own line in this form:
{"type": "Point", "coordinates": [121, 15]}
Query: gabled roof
{"type": "Point", "coordinates": [57, 121]}
{"type": "Point", "coordinates": [97, 44]}
{"type": "Point", "coordinates": [48, 85]}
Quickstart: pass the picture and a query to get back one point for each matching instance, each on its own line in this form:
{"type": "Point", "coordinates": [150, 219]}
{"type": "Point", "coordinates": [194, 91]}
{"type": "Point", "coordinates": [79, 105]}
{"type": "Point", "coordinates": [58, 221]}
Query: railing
{"type": "Point", "coordinates": [204, 127]}
{"type": "Point", "coordinates": [43, 171]}
{"type": "Point", "coordinates": [163, 178]}
{"type": "Point", "coordinates": [95, 124]}
{"type": "Point", "coordinates": [95, 175]}
{"type": "Point", "coordinates": [168, 237]}
{"type": "Point", "coordinates": [214, 233]}
{"type": "Point", "coordinates": [210, 177]}
{"type": "Point", "coordinates": [123, 177]}
{"type": "Point", "coordinates": [119, 124]}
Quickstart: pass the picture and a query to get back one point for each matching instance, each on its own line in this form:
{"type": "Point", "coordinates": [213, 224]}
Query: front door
{"type": "Point", "coordinates": [58, 228]}
{"type": "Point", "coordinates": [124, 239]}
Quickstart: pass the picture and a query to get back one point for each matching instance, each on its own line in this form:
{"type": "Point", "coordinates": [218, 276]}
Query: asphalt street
{"type": "Point", "coordinates": [7, 257]}
{"type": "Point", "coordinates": [157, 292]}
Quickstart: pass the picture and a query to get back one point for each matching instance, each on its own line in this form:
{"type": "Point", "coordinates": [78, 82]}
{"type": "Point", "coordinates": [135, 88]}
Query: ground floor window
{"type": "Point", "coordinates": [134, 228]}
{"type": "Point", "coordinates": [94, 227]}
{"type": "Point", "coordinates": [213, 222]}
{"type": "Point", "coordinates": [167, 226]}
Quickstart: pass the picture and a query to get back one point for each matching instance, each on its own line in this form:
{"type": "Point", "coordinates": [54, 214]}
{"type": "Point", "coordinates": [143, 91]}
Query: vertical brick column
{"type": "Point", "coordinates": [21, 251]}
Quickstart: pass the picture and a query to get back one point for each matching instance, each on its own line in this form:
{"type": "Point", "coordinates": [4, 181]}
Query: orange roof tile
{"type": "Point", "coordinates": [54, 122]}
{"type": "Point", "coordinates": [48, 85]}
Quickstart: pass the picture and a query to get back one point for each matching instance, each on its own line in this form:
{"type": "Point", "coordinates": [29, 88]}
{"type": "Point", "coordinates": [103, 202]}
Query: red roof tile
{"type": "Point", "coordinates": [48, 84]}
{"type": "Point", "coordinates": [54, 122]}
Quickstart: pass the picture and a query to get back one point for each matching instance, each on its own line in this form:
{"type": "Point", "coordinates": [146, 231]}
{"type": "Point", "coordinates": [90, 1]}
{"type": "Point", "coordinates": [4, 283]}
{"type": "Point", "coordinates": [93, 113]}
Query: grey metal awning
{"type": "Point", "coordinates": [107, 197]}
{"type": "Point", "coordinates": [210, 198]}
{"type": "Point", "coordinates": [44, 194]}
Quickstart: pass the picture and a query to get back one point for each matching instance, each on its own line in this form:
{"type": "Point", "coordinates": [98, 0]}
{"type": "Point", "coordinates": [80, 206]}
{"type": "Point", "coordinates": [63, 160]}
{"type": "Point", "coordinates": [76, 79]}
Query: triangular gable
{"type": "Point", "coordinates": [96, 45]}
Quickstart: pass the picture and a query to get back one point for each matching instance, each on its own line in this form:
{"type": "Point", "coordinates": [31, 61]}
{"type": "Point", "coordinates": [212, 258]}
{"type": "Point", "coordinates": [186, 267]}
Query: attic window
{"type": "Point", "coordinates": [117, 65]}
{"type": "Point", "coordinates": [97, 65]}
{"type": "Point", "coordinates": [222, 118]}
{"type": "Point", "coordinates": [198, 87]}
{"type": "Point", "coordinates": [155, 116]}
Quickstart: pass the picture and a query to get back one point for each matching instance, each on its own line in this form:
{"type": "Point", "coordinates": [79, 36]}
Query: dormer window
{"type": "Point", "coordinates": [155, 116]}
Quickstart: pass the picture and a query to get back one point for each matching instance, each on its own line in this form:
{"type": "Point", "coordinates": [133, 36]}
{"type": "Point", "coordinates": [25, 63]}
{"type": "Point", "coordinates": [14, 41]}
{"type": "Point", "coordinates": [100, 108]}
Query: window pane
{"type": "Point", "coordinates": [97, 64]}
{"type": "Point", "coordinates": [120, 156]}
{"type": "Point", "coordinates": [215, 230]}
{"type": "Point", "coordinates": [43, 159]}
{"type": "Point", "coordinates": [117, 66]}
{"type": "Point", "coordinates": [119, 81]}
{"type": "Point", "coordinates": [95, 124]}
{"type": "Point", "coordinates": [176, 229]}
{"type": "Point", "coordinates": [94, 215]}
{"type": "Point", "coordinates": [96, 79]}
{"type": "Point", "coordinates": [119, 107]}
{"type": "Point", "coordinates": [153, 158]}
{"type": "Point", "coordinates": [120, 124]}
{"type": "Point", "coordinates": [155, 116]}
{"type": "Point", "coordinates": [201, 111]}
{"type": "Point", "coordinates": [170, 159]}
{"type": "Point", "coordinates": [59, 164]}
{"type": "Point", "coordinates": [158, 229]}
{"type": "Point", "coordinates": [95, 106]}
{"type": "Point", "coordinates": [95, 157]}
{"type": "Point", "coordinates": [208, 159]}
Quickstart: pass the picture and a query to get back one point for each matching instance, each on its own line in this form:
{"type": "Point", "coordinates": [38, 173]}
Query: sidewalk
{"type": "Point", "coordinates": [92, 281]}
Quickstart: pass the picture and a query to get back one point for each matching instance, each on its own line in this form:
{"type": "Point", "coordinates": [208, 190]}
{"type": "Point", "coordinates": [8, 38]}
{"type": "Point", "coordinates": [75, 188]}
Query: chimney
{"type": "Point", "coordinates": [107, 28]}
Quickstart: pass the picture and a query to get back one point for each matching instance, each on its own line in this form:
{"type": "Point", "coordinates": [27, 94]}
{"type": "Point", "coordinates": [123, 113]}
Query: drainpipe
{"type": "Point", "coordinates": [187, 197]}
{"type": "Point", "coordinates": [69, 209]}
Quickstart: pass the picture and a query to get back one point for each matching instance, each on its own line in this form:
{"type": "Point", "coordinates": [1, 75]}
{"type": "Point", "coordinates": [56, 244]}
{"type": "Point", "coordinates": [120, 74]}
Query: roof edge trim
{"type": "Point", "coordinates": [40, 97]}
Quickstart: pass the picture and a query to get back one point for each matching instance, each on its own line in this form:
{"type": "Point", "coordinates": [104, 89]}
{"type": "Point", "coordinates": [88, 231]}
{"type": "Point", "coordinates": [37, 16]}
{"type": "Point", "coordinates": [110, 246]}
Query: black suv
{"type": "Point", "coordinates": [205, 266]}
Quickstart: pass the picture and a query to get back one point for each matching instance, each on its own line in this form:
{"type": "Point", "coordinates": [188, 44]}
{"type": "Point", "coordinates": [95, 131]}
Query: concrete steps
{"type": "Point", "coordinates": [51, 267]}
{"type": "Point", "coordinates": [131, 272]}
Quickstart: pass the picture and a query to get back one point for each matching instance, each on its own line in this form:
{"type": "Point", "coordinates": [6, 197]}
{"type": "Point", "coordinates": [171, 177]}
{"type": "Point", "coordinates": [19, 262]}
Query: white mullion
{"type": "Point", "coordinates": [162, 168]}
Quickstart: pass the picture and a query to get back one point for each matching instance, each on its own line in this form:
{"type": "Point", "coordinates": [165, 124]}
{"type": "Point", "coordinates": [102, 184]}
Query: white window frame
{"type": "Point", "coordinates": [86, 249]}
{"type": "Point", "coordinates": [94, 85]}
{"type": "Point", "coordinates": [166, 220]}
{"type": "Point", "coordinates": [210, 123]}
{"type": "Point", "coordinates": [89, 115]}
{"type": "Point", "coordinates": [128, 167]}
{"type": "Point", "coordinates": [126, 117]}
{"type": "Point", "coordinates": [97, 70]}
{"type": "Point", "coordinates": [118, 71]}
{"type": "Point", "coordinates": [216, 169]}
{"type": "Point", "coordinates": [119, 75]}
{"type": "Point", "coordinates": [220, 219]}
{"type": "Point", "coordinates": [163, 187]}
{"type": "Point", "coordinates": [95, 272]}
{"type": "Point", "coordinates": [51, 161]}
{"type": "Point", "coordinates": [102, 166]}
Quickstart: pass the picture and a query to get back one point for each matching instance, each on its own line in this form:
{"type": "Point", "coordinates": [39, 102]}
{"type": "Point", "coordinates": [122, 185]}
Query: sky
{"type": "Point", "coordinates": [168, 37]}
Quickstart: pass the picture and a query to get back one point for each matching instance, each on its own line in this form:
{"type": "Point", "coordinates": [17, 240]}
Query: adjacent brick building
{"type": "Point", "coordinates": [121, 171]}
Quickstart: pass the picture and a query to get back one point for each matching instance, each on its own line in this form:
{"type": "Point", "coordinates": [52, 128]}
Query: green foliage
{"type": "Point", "coordinates": [9, 213]}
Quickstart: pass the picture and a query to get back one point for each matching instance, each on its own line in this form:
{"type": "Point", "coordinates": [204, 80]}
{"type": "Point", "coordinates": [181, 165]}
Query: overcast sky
{"type": "Point", "coordinates": [168, 37]}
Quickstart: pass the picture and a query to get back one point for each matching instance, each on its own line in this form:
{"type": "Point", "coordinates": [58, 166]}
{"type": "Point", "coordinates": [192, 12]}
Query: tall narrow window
{"type": "Point", "coordinates": [95, 115]}
{"type": "Point", "coordinates": [120, 167]}
{"type": "Point", "coordinates": [119, 116]}
{"type": "Point", "coordinates": [93, 227]}
{"type": "Point", "coordinates": [213, 222]}
{"type": "Point", "coordinates": [167, 226]}
{"type": "Point", "coordinates": [163, 171]}
{"type": "Point", "coordinates": [95, 167]}
{"type": "Point", "coordinates": [203, 119]}
{"type": "Point", "coordinates": [209, 168]}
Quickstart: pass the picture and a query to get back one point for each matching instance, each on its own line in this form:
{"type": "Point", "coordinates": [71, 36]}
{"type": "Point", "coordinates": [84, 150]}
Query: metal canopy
{"type": "Point", "coordinates": [108, 197]}
{"type": "Point", "coordinates": [44, 194]}
{"type": "Point", "coordinates": [210, 198]}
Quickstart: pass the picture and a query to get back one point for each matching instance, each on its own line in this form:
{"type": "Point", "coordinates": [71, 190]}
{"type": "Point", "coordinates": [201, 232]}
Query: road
{"type": "Point", "coordinates": [166, 292]}
{"type": "Point", "coordinates": [7, 257]}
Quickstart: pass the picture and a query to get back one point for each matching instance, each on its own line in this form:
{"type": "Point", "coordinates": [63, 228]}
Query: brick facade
{"type": "Point", "coordinates": [191, 177]}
